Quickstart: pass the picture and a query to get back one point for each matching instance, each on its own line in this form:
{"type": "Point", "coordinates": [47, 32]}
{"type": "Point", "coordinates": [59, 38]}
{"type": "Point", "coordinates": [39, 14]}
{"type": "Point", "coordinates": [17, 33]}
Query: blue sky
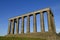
{"type": "Point", "coordinates": [11, 8]}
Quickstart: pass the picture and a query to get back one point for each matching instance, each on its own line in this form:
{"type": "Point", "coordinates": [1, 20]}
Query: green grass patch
{"type": "Point", "coordinates": [19, 38]}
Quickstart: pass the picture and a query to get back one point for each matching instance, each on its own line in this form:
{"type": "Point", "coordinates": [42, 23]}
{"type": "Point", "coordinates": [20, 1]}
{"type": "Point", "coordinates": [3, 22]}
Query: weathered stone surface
{"type": "Point", "coordinates": [42, 22]}
{"type": "Point", "coordinates": [34, 23]}
{"type": "Point", "coordinates": [17, 26]}
{"type": "Point", "coordinates": [22, 27]}
{"type": "Point", "coordinates": [46, 35]}
{"type": "Point", "coordinates": [28, 24]}
{"type": "Point", "coordinates": [9, 27]}
{"type": "Point", "coordinates": [13, 26]}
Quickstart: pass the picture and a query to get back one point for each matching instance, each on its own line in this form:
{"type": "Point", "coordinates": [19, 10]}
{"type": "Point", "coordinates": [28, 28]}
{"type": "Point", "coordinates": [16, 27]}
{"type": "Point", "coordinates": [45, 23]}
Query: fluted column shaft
{"type": "Point", "coordinates": [28, 24]}
{"type": "Point", "coordinates": [17, 26]}
{"type": "Point", "coordinates": [9, 27]}
{"type": "Point", "coordinates": [49, 21]}
{"type": "Point", "coordinates": [22, 29]}
{"type": "Point", "coordinates": [13, 26]}
{"type": "Point", "coordinates": [53, 23]}
{"type": "Point", "coordinates": [42, 22]}
{"type": "Point", "coordinates": [34, 23]}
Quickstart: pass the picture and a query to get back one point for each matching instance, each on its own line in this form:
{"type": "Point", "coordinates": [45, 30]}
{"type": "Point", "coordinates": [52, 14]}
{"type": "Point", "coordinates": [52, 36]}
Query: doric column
{"type": "Point", "coordinates": [13, 26]}
{"type": "Point", "coordinates": [42, 22]}
{"type": "Point", "coordinates": [28, 24]}
{"type": "Point", "coordinates": [17, 26]}
{"type": "Point", "coordinates": [22, 28]}
{"type": "Point", "coordinates": [9, 27]}
{"type": "Point", "coordinates": [49, 21]}
{"type": "Point", "coordinates": [34, 23]}
{"type": "Point", "coordinates": [53, 23]}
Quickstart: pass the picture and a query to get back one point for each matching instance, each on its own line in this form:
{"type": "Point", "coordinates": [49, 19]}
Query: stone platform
{"type": "Point", "coordinates": [46, 35]}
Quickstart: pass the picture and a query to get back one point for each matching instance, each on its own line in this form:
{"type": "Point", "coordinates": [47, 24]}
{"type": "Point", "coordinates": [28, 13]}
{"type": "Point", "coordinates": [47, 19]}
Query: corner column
{"type": "Point", "coordinates": [49, 21]}
{"type": "Point", "coordinates": [34, 23]}
{"type": "Point", "coordinates": [53, 23]}
{"type": "Point", "coordinates": [42, 22]}
{"type": "Point", "coordinates": [28, 24]}
{"type": "Point", "coordinates": [22, 29]}
{"type": "Point", "coordinates": [17, 26]}
{"type": "Point", "coordinates": [9, 27]}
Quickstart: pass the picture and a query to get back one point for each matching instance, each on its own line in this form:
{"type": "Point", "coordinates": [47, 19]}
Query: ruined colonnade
{"type": "Point", "coordinates": [50, 18]}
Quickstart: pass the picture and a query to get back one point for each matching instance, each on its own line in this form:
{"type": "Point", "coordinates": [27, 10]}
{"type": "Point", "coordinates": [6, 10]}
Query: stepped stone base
{"type": "Point", "coordinates": [46, 35]}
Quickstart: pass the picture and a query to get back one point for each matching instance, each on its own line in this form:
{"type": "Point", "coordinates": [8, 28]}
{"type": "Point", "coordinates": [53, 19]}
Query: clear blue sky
{"type": "Point", "coordinates": [11, 8]}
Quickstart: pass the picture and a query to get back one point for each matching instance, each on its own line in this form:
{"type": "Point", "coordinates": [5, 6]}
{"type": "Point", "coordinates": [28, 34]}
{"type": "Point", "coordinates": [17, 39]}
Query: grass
{"type": "Point", "coordinates": [19, 38]}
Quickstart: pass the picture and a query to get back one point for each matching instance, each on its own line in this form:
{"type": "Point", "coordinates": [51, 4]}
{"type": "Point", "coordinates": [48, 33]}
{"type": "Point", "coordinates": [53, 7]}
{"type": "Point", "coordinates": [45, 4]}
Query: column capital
{"type": "Point", "coordinates": [34, 14]}
{"type": "Point", "coordinates": [41, 11]}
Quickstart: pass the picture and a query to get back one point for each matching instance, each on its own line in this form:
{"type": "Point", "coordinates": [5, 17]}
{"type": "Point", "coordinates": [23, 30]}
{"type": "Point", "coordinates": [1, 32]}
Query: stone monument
{"type": "Point", "coordinates": [51, 34]}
